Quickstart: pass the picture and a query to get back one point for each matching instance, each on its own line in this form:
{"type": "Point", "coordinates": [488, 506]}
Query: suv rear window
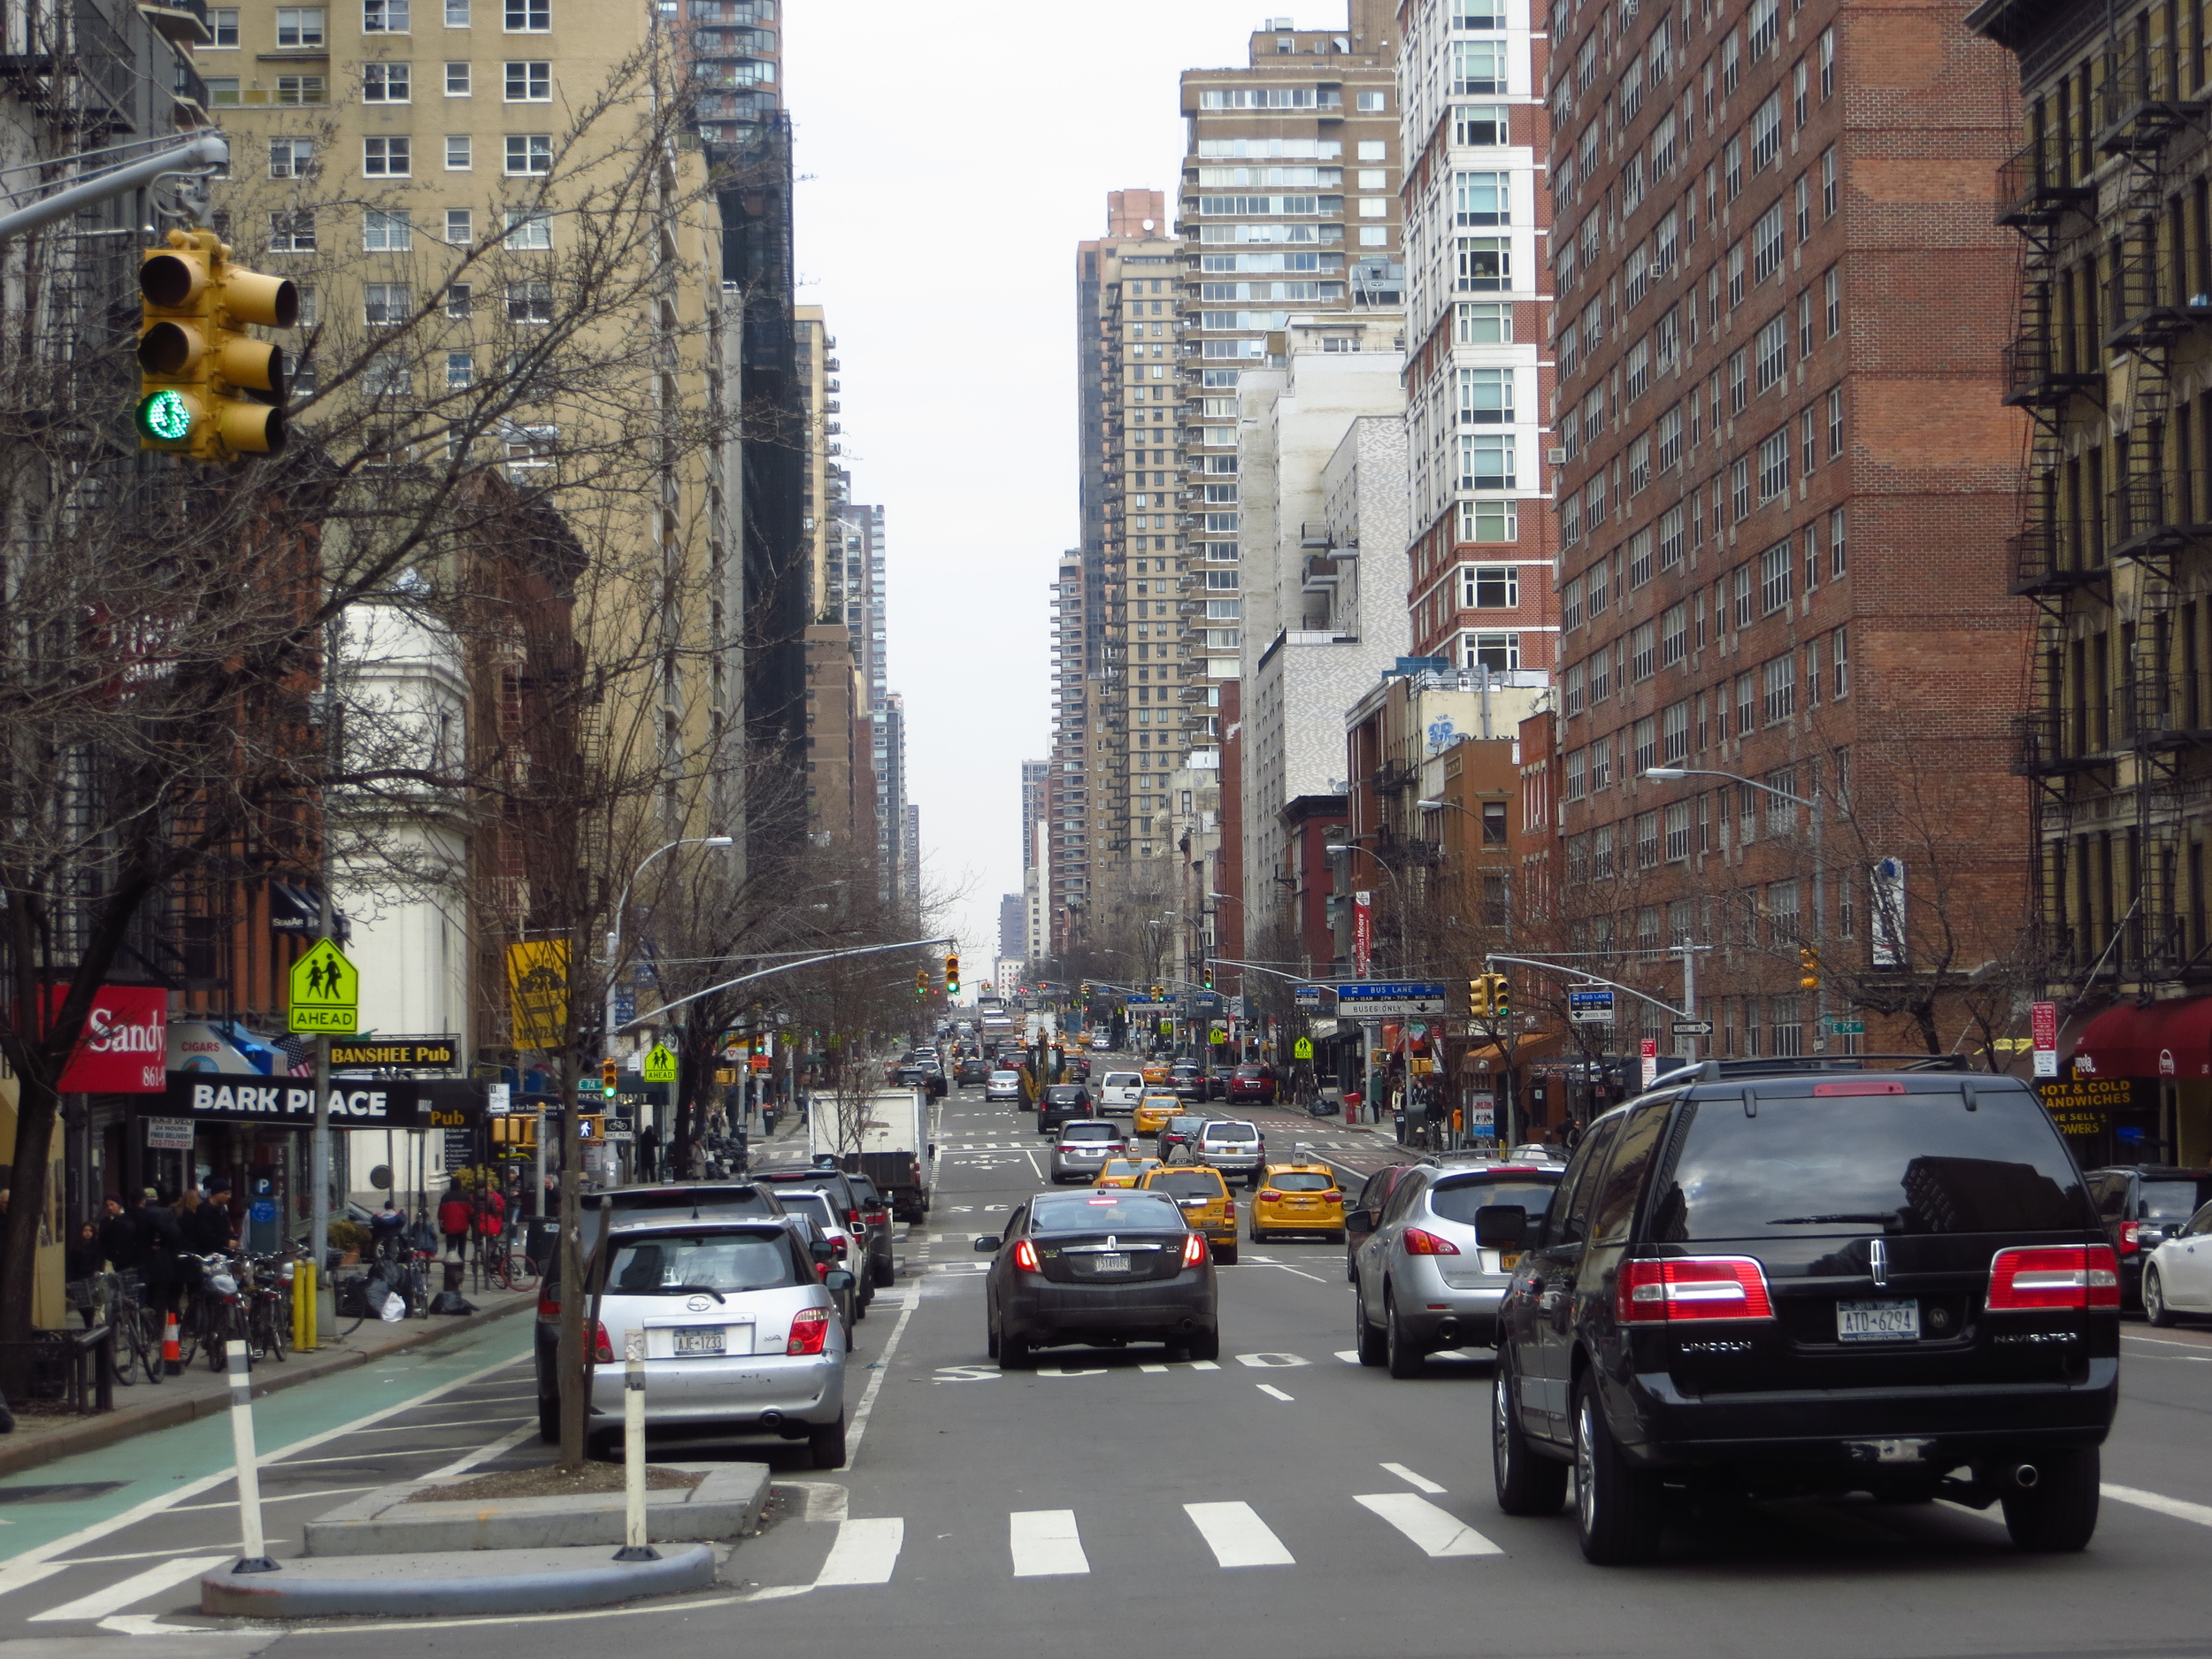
{"type": "Point", "coordinates": [2173, 1202]}
{"type": "Point", "coordinates": [1232, 1131]}
{"type": "Point", "coordinates": [1089, 1131]}
{"type": "Point", "coordinates": [1457, 1201]}
{"type": "Point", "coordinates": [1300, 1181]}
{"type": "Point", "coordinates": [1188, 1184]}
{"type": "Point", "coordinates": [1915, 1162]}
{"type": "Point", "coordinates": [668, 1264]}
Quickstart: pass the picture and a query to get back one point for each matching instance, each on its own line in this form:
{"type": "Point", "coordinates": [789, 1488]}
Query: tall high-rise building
{"type": "Point", "coordinates": [1478, 317]}
{"type": "Point", "coordinates": [858, 532]}
{"type": "Point", "coordinates": [1064, 845]}
{"type": "Point", "coordinates": [1786, 486]}
{"type": "Point", "coordinates": [887, 746]}
{"type": "Point", "coordinates": [1010, 928]}
{"type": "Point", "coordinates": [1035, 774]}
{"type": "Point", "coordinates": [736, 54]}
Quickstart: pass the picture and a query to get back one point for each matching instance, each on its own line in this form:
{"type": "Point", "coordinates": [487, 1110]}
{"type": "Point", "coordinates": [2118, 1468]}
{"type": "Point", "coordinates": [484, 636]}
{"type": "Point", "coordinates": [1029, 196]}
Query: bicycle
{"type": "Point", "coordinates": [510, 1268]}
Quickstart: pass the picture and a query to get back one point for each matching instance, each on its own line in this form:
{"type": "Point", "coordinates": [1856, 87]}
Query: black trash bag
{"type": "Point", "coordinates": [451, 1302]}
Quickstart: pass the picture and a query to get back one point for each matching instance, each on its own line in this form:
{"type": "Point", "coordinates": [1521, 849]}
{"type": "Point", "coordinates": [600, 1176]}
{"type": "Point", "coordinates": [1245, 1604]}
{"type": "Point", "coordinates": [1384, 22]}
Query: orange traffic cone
{"type": "Point", "coordinates": [171, 1355]}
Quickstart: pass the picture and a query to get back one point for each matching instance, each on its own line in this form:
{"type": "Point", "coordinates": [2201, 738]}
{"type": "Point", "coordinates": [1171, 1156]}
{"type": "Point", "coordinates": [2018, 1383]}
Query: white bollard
{"type": "Point", "coordinates": [635, 1547]}
{"type": "Point", "coordinates": [253, 1553]}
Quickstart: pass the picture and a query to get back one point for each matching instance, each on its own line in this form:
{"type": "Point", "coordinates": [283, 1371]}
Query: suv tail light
{"type": "Point", "coordinates": [809, 1330]}
{"type": "Point", "coordinates": [1194, 1249]}
{"type": "Point", "coordinates": [1693, 1287]}
{"type": "Point", "coordinates": [1026, 1257]}
{"type": "Point", "coordinates": [602, 1349]}
{"type": "Point", "coordinates": [2130, 1237]}
{"type": "Point", "coordinates": [1420, 1243]}
{"type": "Point", "coordinates": [1268, 1194]}
{"type": "Point", "coordinates": [2054, 1276]}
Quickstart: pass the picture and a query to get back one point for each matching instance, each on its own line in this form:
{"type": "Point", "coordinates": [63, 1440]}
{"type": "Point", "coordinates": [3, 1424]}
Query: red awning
{"type": "Point", "coordinates": [2165, 1040]}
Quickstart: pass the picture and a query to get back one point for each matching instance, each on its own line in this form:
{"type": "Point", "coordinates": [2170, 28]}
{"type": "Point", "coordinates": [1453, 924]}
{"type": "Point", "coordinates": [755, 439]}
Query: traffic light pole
{"type": "Point", "coordinates": [203, 149]}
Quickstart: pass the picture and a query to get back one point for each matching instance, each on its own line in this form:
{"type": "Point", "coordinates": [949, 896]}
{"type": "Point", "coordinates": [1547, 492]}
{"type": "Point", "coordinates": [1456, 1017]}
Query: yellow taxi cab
{"type": "Point", "coordinates": [1125, 1171]}
{"type": "Point", "coordinates": [1152, 1111]}
{"type": "Point", "coordinates": [1207, 1205]}
{"type": "Point", "coordinates": [1156, 1071]}
{"type": "Point", "coordinates": [1301, 1197]}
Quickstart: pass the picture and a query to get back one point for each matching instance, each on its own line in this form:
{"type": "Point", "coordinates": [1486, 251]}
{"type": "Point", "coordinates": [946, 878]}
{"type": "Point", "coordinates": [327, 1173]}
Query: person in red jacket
{"type": "Point", "coordinates": [491, 1220]}
{"type": "Point", "coordinates": [454, 1215]}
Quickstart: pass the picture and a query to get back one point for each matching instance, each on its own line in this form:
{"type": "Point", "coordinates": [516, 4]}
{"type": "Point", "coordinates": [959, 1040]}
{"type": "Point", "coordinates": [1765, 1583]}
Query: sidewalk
{"type": "Point", "coordinates": [145, 1407]}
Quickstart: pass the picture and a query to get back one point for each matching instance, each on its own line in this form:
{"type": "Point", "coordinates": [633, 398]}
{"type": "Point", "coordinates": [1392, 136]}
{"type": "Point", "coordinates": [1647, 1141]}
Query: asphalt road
{"type": "Point", "coordinates": [1284, 1502]}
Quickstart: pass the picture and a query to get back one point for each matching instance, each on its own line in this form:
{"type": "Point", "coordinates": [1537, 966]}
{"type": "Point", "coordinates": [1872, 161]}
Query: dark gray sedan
{"type": "Point", "coordinates": [1104, 1267]}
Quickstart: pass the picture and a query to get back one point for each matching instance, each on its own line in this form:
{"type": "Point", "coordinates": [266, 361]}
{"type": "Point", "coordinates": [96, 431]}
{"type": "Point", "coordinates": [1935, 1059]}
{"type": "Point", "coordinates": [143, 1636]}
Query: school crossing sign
{"type": "Point", "coordinates": [326, 992]}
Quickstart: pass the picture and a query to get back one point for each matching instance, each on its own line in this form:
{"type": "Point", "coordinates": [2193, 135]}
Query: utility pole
{"type": "Point", "coordinates": [320, 1174]}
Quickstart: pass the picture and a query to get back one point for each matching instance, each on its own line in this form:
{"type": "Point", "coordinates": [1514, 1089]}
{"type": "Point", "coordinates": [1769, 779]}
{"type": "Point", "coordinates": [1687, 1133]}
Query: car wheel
{"type": "Point", "coordinates": [549, 1420]}
{"type": "Point", "coordinates": [1226, 1254]}
{"type": "Point", "coordinates": [1374, 1349]}
{"type": "Point", "coordinates": [1405, 1355]}
{"type": "Point", "coordinates": [2154, 1308]}
{"type": "Point", "coordinates": [1526, 1484]}
{"type": "Point", "coordinates": [2059, 1512]}
{"type": "Point", "coordinates": [826, 1445]}
{"type": "Point", "coordinates": [990, 1334]}
{"type": "Point", "coordinates": [1206, 1346]}
{"type": "Point", "coordinates": [1616, 1506]}
{"type": "Point", "coordinates": [1257, 1236]}
{"type": "Point", "coordinates": [1014, 1354]}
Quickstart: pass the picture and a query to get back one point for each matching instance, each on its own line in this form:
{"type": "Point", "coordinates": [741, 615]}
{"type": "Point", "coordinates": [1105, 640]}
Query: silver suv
{"type": "Point", "coordinates": [1084, 1147]}
{"type": "Point", "coordinates": [1420, 1283]}
{"type": "Point", "coordinates": [1234, 1147]}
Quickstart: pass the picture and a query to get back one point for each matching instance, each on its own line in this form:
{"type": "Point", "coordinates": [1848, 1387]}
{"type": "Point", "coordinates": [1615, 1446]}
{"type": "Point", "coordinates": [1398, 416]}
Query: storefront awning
{"type": "Point", "coordinates": [2165, 1040]}
{"type": "Point", "coordinates": [1540, 1047]}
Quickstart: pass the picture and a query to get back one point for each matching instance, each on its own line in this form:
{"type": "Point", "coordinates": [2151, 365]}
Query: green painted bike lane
{"type": "Point", "coordinates": [151, 1466]}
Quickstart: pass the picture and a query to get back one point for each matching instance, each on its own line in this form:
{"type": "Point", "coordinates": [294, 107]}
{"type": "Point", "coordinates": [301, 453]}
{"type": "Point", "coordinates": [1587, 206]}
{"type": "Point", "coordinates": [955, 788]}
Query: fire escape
{"type": "Point", "coordinates": [2157, 511]}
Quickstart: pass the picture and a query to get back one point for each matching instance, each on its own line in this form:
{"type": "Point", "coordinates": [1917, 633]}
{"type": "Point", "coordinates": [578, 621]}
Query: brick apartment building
{"type": "Point", "coordinates": [1787, 477]}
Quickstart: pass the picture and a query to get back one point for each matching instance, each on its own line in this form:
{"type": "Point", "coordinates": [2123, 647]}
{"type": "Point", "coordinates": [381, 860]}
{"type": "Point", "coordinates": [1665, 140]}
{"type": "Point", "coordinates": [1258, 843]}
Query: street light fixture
{"type": "Point", "coordinates": [1675, 775]}
{"type": "Point", "coordinates": [622, 907]}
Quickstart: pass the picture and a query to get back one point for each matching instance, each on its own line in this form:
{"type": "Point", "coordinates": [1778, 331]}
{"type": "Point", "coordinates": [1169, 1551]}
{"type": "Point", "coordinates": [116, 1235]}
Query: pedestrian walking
{"type": "Point", "coordinates": [163, 1240]}
{"type": "Point", "coordinates": [118, 1237]}
{"type": "Point", "coordinates": [456, 1216]}
{"type": "Point", "coordinates": [649, 1147]}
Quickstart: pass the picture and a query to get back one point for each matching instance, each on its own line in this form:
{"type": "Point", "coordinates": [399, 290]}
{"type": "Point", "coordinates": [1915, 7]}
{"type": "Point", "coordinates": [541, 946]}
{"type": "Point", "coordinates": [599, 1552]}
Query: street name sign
{"type": "Point", "coordinates": [1590, 1006]}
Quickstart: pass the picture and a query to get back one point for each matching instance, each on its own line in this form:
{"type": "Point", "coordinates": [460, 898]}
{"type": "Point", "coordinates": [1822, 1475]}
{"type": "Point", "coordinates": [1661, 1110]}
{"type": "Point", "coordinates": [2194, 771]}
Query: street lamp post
{"type": "Point", "coordinates": [621, 909]}
{"type": "Point", "coordinates": [1371, 1031]}
{"type": "Point", "coordinates": [1671, 774]}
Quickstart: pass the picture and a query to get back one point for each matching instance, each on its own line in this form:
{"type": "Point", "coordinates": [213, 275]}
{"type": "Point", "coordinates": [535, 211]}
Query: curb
{"type": "Point", "coordinates": [726, 1504]}
{"type": "Point", "coordinates": [91, 1434]}
{"type": "Point", "coordinates": [412, 1587]}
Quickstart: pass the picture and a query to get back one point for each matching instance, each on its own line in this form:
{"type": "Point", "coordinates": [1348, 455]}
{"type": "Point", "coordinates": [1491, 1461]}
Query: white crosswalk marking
{"type": "Point", "coordinates": [1237, 1536]}
{"type": "Point", "coordinates": [137, 1587]}
{"type": "Point", "coordinates": [865, 1552]}
{"type": "Point", "coordinates": [1438, 1532]}
{"type": "Point", "coordinates": [1419, 1483]}
{"type": "Point", "coordinates": [1046, 1544]}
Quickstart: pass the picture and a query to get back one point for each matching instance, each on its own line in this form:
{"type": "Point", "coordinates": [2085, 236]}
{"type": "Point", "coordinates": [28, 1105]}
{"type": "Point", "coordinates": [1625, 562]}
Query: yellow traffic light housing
{"type": "Point", "coordinates": [952, 975]}
{"type": "Point", "coordinates": [609, 1074]}
{"type": "Point", "coordinates": [1478, 997]}
{"type": "Point", "coordinates": [1501, 995]}
{"type": "Point", "coordinates": [207, 389]}
{"type": "Point", "coordinates": [1808, 967]}
{"type": "Point", "coordinates": [921, 984]}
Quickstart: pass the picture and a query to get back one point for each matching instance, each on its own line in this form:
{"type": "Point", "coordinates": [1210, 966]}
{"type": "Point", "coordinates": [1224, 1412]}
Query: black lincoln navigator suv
{"type": "Point", "coordinates": [1770, 1277]}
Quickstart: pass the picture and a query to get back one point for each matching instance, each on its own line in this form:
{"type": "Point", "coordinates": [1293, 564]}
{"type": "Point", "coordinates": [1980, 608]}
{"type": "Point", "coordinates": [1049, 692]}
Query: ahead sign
{"type": "Point", "coordinates": [326, 992]}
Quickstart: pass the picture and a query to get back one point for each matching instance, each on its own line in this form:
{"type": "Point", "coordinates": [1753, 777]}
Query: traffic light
{"type": "Point", "coordinates": [608, 1075]}
{"type": "Point", "coordinates": [1501, 995]}
{"type": "Point", "coordinates": [1478, 997]}
{"type": "Point", "coordinates": [207, 389]}
{"type": "Point", "coordinates": [952, 976]}
{"type": "Point", "coordinates": [1210, 976]}
{"type": "Point", "coordinates": [921, 985]}
{"type": "Point", "coordinates": [1808, 967]}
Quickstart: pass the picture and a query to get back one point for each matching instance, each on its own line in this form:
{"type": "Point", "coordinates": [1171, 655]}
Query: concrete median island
{"type": "Point", "coordinates": [724, 1504]}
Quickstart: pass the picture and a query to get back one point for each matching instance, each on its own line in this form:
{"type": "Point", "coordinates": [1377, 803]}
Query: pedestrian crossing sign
{"type": "Point", "coordinates": [326, 992]}
{"type": "Point", "coordinates": [660, 1064]}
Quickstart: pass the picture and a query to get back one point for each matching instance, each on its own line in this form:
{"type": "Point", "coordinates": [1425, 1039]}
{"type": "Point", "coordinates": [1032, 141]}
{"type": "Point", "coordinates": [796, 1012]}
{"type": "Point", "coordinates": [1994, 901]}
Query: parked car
{"type": "Point", "coordinates": [1420, 1281]}
{"type": "Point", "coordinates": [847, 1250]}
{"type": "Point", "coordinates": [1004, 1085]}
{"type": "Point", "coordinates": [741, 1334]}
{"type": "Point", "coordinates": [1252, 1083]}
{"type": "Point", "coordinates": [1181, 1136]}
{"type": "Point", "coordinates": [841, 1195]}
{"type": "Point", "coordinates": [1061, 1103]}
{"type": "Point", "coordinates": [1187, 1081]}
{"type": "Point", "coordinates": [2141, 1205]}
{"type": "Point", "coordinates": [1234, 1147]}
{"type": "Point", "coordinates": [1084, 1146]}
{"type": "Point", "coordinates": [2177, 1275]}
{"type": "Point", "coordinates": [1791, 1277]}
{"type": "Point", "coordinates": [875, 1210]}
{"type": "Point", "coordinates": [1103, 1266]}
{"type": "Point", "coordinates": [1119, 1092]}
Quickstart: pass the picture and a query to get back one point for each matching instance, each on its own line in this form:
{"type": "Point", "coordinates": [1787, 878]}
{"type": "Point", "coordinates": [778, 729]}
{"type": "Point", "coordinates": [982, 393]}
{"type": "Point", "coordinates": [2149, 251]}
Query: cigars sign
{"type": "Point", "coordinates": [124, 1050]}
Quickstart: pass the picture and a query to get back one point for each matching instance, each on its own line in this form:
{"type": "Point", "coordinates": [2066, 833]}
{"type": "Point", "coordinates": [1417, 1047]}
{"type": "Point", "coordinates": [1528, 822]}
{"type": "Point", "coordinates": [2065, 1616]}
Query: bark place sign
{"type": "Point", "coordinates": [289, 1102]}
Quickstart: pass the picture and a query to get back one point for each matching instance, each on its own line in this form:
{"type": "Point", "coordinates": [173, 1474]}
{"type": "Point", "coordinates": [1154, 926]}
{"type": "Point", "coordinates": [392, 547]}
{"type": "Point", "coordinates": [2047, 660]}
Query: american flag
{"type": "Point", "coordinates": [299, 1054]}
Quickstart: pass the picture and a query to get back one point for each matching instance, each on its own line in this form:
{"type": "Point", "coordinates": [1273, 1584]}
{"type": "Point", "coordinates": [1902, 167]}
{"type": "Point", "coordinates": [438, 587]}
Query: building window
{"type": "Point", "coordinates": [1804, 322]}
{"type": "Point", "coordinates": [292, 233]}
{"type": "Point", "coordinates": [1482, 198]}
{"type": "Point", "coordinates": [1740, 486]}
{"type": "Point", "coordinates": [1489, 586]}
{"type": "Point", "coordinates": [1647, 838]}
{"type": "Point", "coordinates": [529, 82]}
{"type": "Point", "coordinates": [298, 27]}
{"type": "Point", "coordinates": [1835, 542]}
{"type": "Point", "coordinates": [1840, 665]}
{"type": "Point", "coordinates": [1674, 635]}
{"type": "Point", "coordinates": [460, 226]}
{"type": "Point", "coordinates": [457, 300]}
{"type": "Point", "coordinates": [456, 15]}
{"type": "Point", "coordinates": [222, 22]}
{"type": "Point", "coordinates": [1827, 65]}
{"type": "Point", "coordinates": [1832, 296]}
{"type": "Point", "coordinates": [1678, 833]}
{"type": "Point", "coordinates": [384, 17]}
{"type": "Point", "coordinates": [1489, 521]}
{"type": "Point", "coordinates": [1780, 677]}
{"type": "Point", "coordinates": [1670, 436]}
{"type": "Point", "coordinates": [1478, 126]}
{"type": "Point", "coordinates": [1485, 461]}
{"type": "Point", "coordinates": [1639, 652]}
{"type": "Point", "coordinates": [388, 374]}
{"type": "Point", "coordinates": [529, 153]}
{"type": "Point", "coordinates": [1812, 674]}
{"type": "Point", "coordinates": [1501, 653]}
{"type": "Point", "coordinates": [222, 93]}
{"type": "Point", "coordinates": [1486, 397]}
{"type": "Point", "coordinates": [1479, 69]}
{"type": "Point", "coordinates": [459, 152]}
{"type": "Point", "coordinates": [385, 83]}
{"type": "Point", "coordinates": [460, 370]}
{"type": "Point", "coordinates": [391, 232]}
{"type": "Point", "coordinates": [1731, 167]}
{"type": "Point", "coordinates": [1776, 569]}
{"type": "Point", "coordinates": [1774, 465]}
{"type": "Point", "coordinates": [530, 302]}
{"type": "Point", "coordinates": [1484, 265]}
{"type": "Point", "coordinates": [1742, 596]}
{"type": "Point", "coordinates": [1735, 276]}
{"type": "Point", "coordinates": [1671, 523]}
{"type": "Point", "coordinates": [1835, 422]}
{"type": "Point", "coordinates": [386, 304]}
{"type": "Point", "coordinates": [1484, 323]}
{"type": "Point", "coordinates": [1764, 23]}
{"type": "Point", "coordinates": [1373, 102]}
{"type": "Point", "coordinates": [1766, 134]}
{"type": "Point", "coordinates": [385, 157]}
{"type": "Point", "coordinates": [1804, 205]}
{"type": "Point", "coordinates": [1746, 718]}
{"type": "Point", "coordinates": [529, 16]}
{"type": "Point", "coordinates": [529, 229]}
{"type": "Point", "coordinates": [1639, 468]}
{"type": "Point", "coordinates": [1807, 443]}
{"type": "Point", "coordinates": [303, 90]}
{"type": "Point", "coordinates": [1771, 348]}
{"type": "Point", "coordinates": [291, 157]}
{"type": "Point", "coordinates": [1797, 80]}
{"type": "Point", "coordinates": [457, 84]}
{"type": "Point", "coordinates": [1767, 235]}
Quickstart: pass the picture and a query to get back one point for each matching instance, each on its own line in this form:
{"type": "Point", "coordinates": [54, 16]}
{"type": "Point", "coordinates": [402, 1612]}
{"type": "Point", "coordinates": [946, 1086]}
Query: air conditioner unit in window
{"type": "Point", "coordinates": [1555, 457]}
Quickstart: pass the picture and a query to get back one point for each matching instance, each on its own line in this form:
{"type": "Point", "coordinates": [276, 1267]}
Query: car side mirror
{"type": "Point", "coordinates": [1358, 1221]}
{"type": "Point", "coordinates": [837, 1278]}
{"type": "Point", "coordinates": [1501, 1226]}
{"type": "Point", "coordinates": [986, 1245]}
{"type": "Point", "coordinates": [823, 1250]}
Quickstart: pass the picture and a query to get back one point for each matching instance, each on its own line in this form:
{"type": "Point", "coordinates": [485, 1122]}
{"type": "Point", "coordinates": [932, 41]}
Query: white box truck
{"type": "Point", "coordinates": [883, 1134]}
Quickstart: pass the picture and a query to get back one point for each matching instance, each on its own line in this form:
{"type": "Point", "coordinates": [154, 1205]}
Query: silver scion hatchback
{"type": "Point", "coordinates": [1420, 1282]}
{"type": "Point", "coordinates": [741, 1334]}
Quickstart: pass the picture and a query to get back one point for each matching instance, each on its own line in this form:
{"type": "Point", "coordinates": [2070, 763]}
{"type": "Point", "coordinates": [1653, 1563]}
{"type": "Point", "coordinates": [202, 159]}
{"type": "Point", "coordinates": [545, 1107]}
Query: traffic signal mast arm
{"type": "Point", "coordinates": [782, 967]}
{"type": "Point", "coordinates": [111, 179]}
{"type": "Point", "coordinates": [1594, 978]}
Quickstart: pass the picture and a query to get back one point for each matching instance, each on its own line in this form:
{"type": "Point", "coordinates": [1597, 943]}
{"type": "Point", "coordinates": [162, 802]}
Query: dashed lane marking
{"type": "Point", "coordinates": [1420, 1483]}
{"type": "Point", "coordinates": [1046, 1544]}
{"type": "Point", "coordinates": [1237, 1536]}
{"type": "Point", "coordinates": [1438, 1532]}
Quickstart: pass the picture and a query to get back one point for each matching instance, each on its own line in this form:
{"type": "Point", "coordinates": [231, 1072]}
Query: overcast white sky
{"type": "Point", "coordinates": [954, 155]}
